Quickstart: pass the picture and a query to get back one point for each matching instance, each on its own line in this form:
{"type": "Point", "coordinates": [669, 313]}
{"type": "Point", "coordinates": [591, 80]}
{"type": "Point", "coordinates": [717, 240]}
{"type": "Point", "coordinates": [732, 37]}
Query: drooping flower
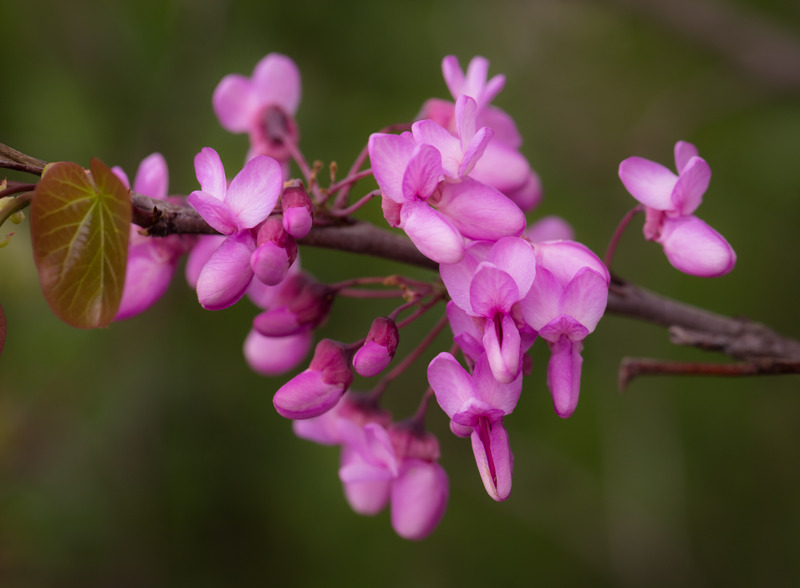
{"type": "Point", "coordinates": [565, 303]}
{"type": "Point", "coordinates": [487, 284]}
{"type": "Point", "coordinates": [476, 405]}
{"type": "Point", "coordinates": [151, 260]}
{"type": "Point", "coordinates": [670, 200]}
{"type": "Point", "coordinates": [263, 106]}
{"type": "Point", "coordinates": [232, 210]}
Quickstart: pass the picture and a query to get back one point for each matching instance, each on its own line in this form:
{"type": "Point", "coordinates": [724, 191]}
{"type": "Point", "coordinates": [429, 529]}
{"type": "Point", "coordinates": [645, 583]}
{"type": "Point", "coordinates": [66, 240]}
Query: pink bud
{"type": "Point", "coordinates": [318, 389]}
{"type": "Point", "coordinates": [379, 348]}
{"type": "Point", "coordinates": [419, 498]}
{"type": "Point", "coordinates": [297, 210]}
{"type": "Point", "coordinates": [302, 303]}
{"type": "Point", "coordinates": [276, 251]}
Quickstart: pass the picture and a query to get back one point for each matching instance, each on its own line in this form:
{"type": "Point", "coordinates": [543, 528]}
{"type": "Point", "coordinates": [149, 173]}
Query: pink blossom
{"type": "Point", "coordinates": [487, 284]}
{"type": "Point", "coordinates": [565, 303]}
{"type": "Point", "coordinates": [151, 260]}
{"type": "Point", "coordinates": [262, 106]}
{"type": "Point", "coordinates": [232, 210]}
{"type": "Point", "coordinates": [476, 405]}
{"type": "Point", "coordinates": [378, 349]}
{"type": "Point", "coordinates": [670, 200]}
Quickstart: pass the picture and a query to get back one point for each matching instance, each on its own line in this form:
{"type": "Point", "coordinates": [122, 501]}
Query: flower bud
{"type": "Point", "coordinates": [419, 498]}
{"type": "Point", "coordinates": [318, 389]}
{"type": "Point", "coordinates": [301, 304]}
{"type": "Point", "coordinates": [275, 254]}
{"type": "Point", "coordinates": [297, 210]}
{"type": "Point", "coordinates": [379, 348]}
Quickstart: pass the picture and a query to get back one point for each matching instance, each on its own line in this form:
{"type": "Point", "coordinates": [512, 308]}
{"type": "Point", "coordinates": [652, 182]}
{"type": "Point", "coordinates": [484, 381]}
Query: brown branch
{"type": "Point", "coordinates": [739, 338]}
{"type": "Point", "coordinates": [633, 367]}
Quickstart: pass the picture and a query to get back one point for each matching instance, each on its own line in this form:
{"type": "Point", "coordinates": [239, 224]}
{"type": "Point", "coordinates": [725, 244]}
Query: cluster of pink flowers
{"type": "Point", "coordinates": [456, 183]}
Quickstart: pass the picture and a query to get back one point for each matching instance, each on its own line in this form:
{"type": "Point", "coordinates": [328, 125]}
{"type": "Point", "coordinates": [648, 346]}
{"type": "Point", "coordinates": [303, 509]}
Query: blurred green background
{"type": "Point", "coordinates": [147, 454]}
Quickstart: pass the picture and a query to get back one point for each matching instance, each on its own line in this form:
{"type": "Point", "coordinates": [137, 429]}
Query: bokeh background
{"type": "Point", "coordinates": [147, 454]}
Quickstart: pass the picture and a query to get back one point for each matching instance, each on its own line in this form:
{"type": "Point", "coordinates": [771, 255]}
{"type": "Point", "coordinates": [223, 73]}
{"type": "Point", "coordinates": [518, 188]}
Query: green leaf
{"type": "Point", "coordinates": [80, 225]}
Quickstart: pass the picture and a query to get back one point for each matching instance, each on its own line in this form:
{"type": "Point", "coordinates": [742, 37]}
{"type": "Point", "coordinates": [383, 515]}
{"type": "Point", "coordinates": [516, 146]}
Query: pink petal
{"type": "Point", "coordinates": [306, 396]}
{"type": "Point", "coordinates": [503, 354]}
{"type": "Point", "coordinates": [492, 290]}
{"type": "Point", "coordinates": [684, 151]}
{"type": "Point", "coordinates": [273, 356]}
{"type": "Point", "coordinates": [422, 174]}
{"type": "Point", "coordinates": [501, 396]}
{"type": "Point", "coordinates": [585, 298]}
{"type": "Point", "coordinates": [504, 127]}
{"type": "Point", "coordinates": [504, 168]}
{"type": "Point", "coordinates": [493, 457]}
{"type": "Point", "coordinates": [427, 132]}
{"type": "Point", "coordinates": [692, 184]}
{"type": "Point", "coordinates": [147, 277]}
{"type": "Point", "coordinates": [276, 80]}
{"type": "Point", "coordinates": [389, 155]}
{"type": "Point", "coordinates": [210, 173]}
{"type": "Point", "coordinates": [457, 278]}
{"type": "Point", "coordinates": [234, 103]}
{"type": "Point", "coordinates": [297, 221]}
{"type": "Point", "coordinates": [564, 375]}
{"type": "Point", "coordinates": [205, 246]}
{"type": "Point", "coordinates": [541, 304]}
{"type": "Point", "coordinates": [649, 182]}
{"type": "Point", "coordinates": [270, 263]}
{"type": "Point", "coordinates": [694, 248]}
{"type": "Point", "coordinates": [477, 72]}
{"type": "Point", "coordinates": [450, 382]}
{"type": "Point", "coordinates": [419, 498]}
{"type": "Point", "coordinates": [371, 359]}
{"type": "Point", "coordinates": [152, 177]}
{"type": "Point", "coordinates": [480, 212]}
{"type": "Point", "coordinates": [566, 258]}
{"type": "Point", "coordinates": [550, 228]}
{"type": "Point", "coordinates": [465, 333]}
{"type": "Point", "coordinates": [227, 274]}
{"type": "Point", "coordinates": [516, 257]}
{"type": "Point", "coordinates": [254, 191]}
{"type": "Point", "coordinates": [432, 233]}
{"type": "Point", "coordinates": [466, 112]}
{"type": "Point", "coordinates": [453, 75]}
{"type": "Point", "coordinates": [474, 151]}
{"type": "Point", "coordinates": [214, 211]}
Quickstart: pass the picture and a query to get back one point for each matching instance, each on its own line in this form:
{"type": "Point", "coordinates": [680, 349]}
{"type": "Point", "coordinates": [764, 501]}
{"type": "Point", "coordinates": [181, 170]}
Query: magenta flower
{"type": "Point", "coordinates": [487, 284]}
{"type": "Point", "coordinates": [232, 210]}
{"type": "Point", "coordinates": [411, 178]}
{"type": "Point", "coordinates": [670, 200]}
{"type": "Point", "coordinates": [263, 106]}
{"type": "Point", "coordinates": [565, 303]}
{"type": "Point", "coordinates": [378, 349]}
{"type": "Point", "coordinates": [476, 405]}
{"type": "Point", "coordinates": [151, 261]}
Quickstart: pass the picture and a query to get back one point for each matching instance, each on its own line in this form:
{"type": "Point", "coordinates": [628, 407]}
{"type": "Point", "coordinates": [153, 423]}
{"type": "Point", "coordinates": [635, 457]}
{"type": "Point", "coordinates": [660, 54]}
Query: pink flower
{"type": "Point", "coordinates": [488, 283]}
{"type": "Point", "coordinates": [232, 210]}
{"type": "Point", "coordinates": [151, 260]}
{"type": "Point", "coordinates": [565, 303]}
{"type": "Point", "coordinates": [476, 405]}
{"type": "Point", "coordinates": [670, 200]}
{"type": "Point", "coordinates": [263, 105]}
{"type": "Point", "coordinates": [378, 349]}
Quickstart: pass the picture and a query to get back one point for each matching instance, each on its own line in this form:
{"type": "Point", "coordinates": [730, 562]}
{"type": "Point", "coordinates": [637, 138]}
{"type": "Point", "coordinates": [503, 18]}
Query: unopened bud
{"type": "Point", "coordinates": [297, 210]}
{"type": "Point", "coordinates": [379, 348]}
{"type": "Point", "coordinates": [276, 251]}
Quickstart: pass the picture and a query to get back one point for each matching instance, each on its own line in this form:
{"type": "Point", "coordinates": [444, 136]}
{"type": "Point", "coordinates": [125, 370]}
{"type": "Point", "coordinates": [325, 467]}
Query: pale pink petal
{"type": "Point", "coordinates": [423, 173]}
{"type": "Point", "coordinates": [504, 127]}
{"type": "Point", "coordinates": [389, 155]}
{"type": "Point", "coordinates": [450, 382]}
{"type": "Point", "coordinates": [147, 276]}
{"type": "Point", "coordinates": [529, 195]}
{"type": "Point", "coordinates": [123, 177]}
{"type": "Point", "coordinates": [694, 248]}
{"type": "Point", "coordinates": [516, 257]}
{"type": "Point", "coordinates": [297, 221]}
{"type": "Point", "coordinates": [492, 290]}
{"type": "Point", "coordinates": [503, 168]}
{"type": "Point", "coordinates": [493, 457]}
{"type": "Point", "coordinates": [564, 375]}
{"type": "Point", "coordinates": [692, 184]}
{"type": "Point", "coordinates": [684, 151]}
{"type": "Point", "coordinates": [649, 182]}
{"type": "Point", "coordinates": [480, 212]}
{"type": "Point", "coordinates": [432, 233]}
{"type": "Point", "coordinates": [210, 173]}
{"type": "Point", "coordinates": [235, 104]}
{"type": "Point", "coordinates": [307, 395]}
{"type": "Point", "coordinates": [419, 498]}
{"type": "Point", "coordinates": [566, 258]}
{"type": "Point", "coordinates": [214, 211]}
{"type": "Point", "coordinates": [427, 132]}
{"type": "Point", "coordinates": [503, 354]}
{"type": "Point", "coordinates": [270, 263]}
{"type": "Point", "coordinates": [541, 304]}
{"type": "Point", "coordinates": [501, 396]}
{"type": "Point", "coordinates": [453, 75]}
{"type": "Point", "coordinates": [457, 278]}
{"type": "Point", "coordinates": [272, 356]}
{"type": "Point", "coordinates": [585, 298]}
{"type": "Point", "coordinates": [276, 80]}
{"type": "Point", "coordinates": [152, 177]}
{"type": "Point", "coordinates": [550, 228]}
{"type": "Point", "coordinates": [465, 333]}
{"type": "Point", "coordinates": [477, 72]}
{"type": "Point", "coordinates": [205, 246]}
{"type": "Point", "coordinates": [254, 191]}
{"type": "Point", "coordinates": [227, 274]}
{"type": "Point", "coordinates": [563, 326]}
{"type": "Point", "coordinates": [474, 150]}
{"type": "Point", "coordinates": [371, 359]}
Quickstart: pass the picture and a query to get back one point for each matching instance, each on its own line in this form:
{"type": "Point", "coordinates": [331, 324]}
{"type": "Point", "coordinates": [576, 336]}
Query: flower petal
{"type": "Point", "coordinates": [389, 155]}
{"type": "Point", "coordinates": [564, 375]}
{"type": "Point", "coordinates": [152, 177]}
{"type": "Point", "coordinates": [254, 191]}
{"type": "Point", "coordinates": [479, 211]}
{"type": "Point", "coordinates": [214, 211]}
{"type": "Point", "coordinates": [691, 185]}
{"type": "Point", "coordinates": [493, 457]}
{"type": "Point", "coordinates": [210, 173]}
{"type": "Point", "coordinates": [276, 80]}
{"type": "Point", "coordinates": [419, 498]}
{"type": "Point", "coordinates": [227, 274]}
{"type": "Point", "coordinates": [451, 383]}
{"type": "Point", "coordinates": [585, 298]}
{"type": "Point", "coordinates": [272, 356]}
{"type": "Point", "coordinates": [684, 151]}
{"type": "Point", "coordinates": [649, 182]}
{"type": "Point", "coordinates": [235, 104]}
{"type": "Point", "coordinates": [432, 233]}
{"type": "Point", "coordinates": [694, 248]}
